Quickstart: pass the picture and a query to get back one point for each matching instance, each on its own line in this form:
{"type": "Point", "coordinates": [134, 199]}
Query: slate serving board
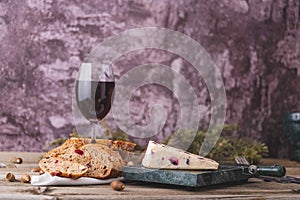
{"type": "Point", "coordinates": [189, 178]}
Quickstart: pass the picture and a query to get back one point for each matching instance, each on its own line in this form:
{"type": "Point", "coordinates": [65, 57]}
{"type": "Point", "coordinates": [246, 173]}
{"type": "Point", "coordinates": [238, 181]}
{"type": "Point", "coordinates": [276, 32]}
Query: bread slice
{"type": "Point", "coordinates": [59, 167]}
{"type": "Point", "coordinates": [166, 157]}
{"type": "Point", "coordinates": [105, 163]}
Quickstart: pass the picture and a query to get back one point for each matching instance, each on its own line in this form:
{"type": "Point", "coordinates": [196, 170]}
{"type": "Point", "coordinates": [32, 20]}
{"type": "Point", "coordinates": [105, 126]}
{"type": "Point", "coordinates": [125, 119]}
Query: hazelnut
{"type": "Point", "coordinates": [10, 177]}
{"type": "Point", "coordinates": [25, 178]}
{"type": "Point", "coordinates": [36, 169]}
{"type": "Point", "coordinates": [117, 185]}
{"type": "Point", "coordinates": [16, 160]}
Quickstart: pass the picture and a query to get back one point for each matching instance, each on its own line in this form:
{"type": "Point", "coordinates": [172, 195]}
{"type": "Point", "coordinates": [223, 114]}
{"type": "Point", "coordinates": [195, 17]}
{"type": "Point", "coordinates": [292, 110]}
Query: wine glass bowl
{"type": "Point", "coordinates": [94, 92]}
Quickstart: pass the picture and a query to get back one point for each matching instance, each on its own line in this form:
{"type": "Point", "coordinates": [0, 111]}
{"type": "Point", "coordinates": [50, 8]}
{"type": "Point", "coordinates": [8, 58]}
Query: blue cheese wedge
{"type": "Point", "coordinates": [161, 156]}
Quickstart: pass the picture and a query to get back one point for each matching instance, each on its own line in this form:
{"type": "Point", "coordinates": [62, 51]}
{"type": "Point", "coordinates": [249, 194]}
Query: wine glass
{"type": "Point", "coordinates": [93, 92]}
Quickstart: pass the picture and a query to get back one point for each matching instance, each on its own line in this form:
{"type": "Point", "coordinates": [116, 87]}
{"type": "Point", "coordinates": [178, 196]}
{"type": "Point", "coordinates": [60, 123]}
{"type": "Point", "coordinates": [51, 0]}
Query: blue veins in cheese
{"type": "Point", "coordinates": [161, 156]}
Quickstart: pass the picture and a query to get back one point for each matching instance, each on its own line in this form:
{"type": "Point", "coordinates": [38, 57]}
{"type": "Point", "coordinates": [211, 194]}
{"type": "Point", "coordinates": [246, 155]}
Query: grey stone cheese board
{"type": "Point", "coordinates": [188, 178]}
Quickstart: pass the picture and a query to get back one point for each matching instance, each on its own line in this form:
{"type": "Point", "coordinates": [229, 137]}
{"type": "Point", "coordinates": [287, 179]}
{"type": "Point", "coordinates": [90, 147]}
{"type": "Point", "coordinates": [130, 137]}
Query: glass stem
{"type": "Point", "coordinates": [93, 136]}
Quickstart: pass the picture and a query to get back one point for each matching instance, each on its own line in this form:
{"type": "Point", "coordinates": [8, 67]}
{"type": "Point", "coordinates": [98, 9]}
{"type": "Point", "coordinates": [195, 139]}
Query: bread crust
{"type": "Point", "coordinates": [113, 144]}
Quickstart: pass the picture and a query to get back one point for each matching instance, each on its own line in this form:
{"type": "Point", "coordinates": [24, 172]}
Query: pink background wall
{"type": "Point", "coordinates": [256, 45]}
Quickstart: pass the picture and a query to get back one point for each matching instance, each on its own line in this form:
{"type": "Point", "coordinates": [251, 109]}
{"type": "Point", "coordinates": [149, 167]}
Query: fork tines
{"type": "Point", "coordinates": [241, 160]}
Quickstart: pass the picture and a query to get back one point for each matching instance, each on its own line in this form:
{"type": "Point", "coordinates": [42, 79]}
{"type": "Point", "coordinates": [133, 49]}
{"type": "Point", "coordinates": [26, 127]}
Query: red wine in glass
{"type": "Point", "coordinates": [94, 98]}
{"type": "Point", "coordinates": [94, 92]}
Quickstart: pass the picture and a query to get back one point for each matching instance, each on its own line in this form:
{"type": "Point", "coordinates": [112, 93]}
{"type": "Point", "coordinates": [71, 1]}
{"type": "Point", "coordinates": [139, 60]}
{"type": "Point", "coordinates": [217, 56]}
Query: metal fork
{"type": "Point", "coordinates": [241, 160]}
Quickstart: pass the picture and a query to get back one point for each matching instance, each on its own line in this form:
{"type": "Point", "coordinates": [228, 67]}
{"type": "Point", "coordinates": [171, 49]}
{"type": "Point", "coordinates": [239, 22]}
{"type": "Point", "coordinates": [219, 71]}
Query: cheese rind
{"type": "Point", "coordinates": [166, 157]}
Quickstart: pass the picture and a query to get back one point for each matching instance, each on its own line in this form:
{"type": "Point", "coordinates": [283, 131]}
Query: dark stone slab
{"type": "Point", "coordinates": [226, 174]}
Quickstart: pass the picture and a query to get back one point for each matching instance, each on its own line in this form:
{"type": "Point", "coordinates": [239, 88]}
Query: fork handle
{"type": "Point", "coordinates": [275, 170]}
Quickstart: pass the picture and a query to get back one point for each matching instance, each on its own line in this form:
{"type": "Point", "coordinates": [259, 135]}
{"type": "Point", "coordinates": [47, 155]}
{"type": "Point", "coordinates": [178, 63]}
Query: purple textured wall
{"type": "Point", "coordinates": [256, 45]}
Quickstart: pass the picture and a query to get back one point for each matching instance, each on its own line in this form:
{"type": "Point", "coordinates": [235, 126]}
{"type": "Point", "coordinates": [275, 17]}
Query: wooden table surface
{"type": "Point", "coordinates": [253, 189]}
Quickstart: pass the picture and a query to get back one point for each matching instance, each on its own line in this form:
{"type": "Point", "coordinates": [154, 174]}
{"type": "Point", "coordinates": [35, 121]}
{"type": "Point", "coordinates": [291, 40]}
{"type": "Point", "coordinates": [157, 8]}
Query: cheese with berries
{"type": "Point", "coordinates": [166, 157]}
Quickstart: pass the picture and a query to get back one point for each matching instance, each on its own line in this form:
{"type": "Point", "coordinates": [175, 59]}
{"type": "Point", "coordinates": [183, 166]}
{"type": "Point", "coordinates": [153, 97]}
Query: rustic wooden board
{"type": "Point", "coordinates": [253, 189]}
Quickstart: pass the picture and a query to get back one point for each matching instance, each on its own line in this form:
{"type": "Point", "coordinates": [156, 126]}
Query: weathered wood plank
{"type": "Point", "coordinates": [27, 196]}
{"type": "Point", "coordinates": [254, 189]}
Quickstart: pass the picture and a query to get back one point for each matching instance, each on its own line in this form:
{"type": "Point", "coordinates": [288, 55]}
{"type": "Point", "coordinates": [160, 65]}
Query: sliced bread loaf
{"type": "Point", "coordinates": [100, 160]}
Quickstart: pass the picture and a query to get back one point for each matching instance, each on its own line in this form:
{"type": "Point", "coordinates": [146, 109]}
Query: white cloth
{"type": "Point", "coordinates": [47, 179]}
